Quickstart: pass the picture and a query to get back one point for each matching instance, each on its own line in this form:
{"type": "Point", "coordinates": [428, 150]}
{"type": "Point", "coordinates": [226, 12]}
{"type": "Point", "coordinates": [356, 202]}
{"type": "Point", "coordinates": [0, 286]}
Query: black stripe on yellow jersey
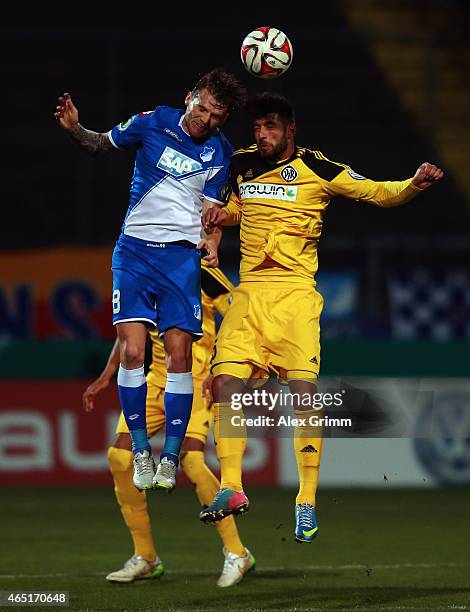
{"type": "Point", "coordinates": [248, 165]}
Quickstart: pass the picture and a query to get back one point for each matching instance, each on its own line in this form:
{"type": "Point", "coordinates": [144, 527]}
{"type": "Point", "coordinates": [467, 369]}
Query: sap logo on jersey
{"type": "Point", "coordinates": [176, 163]}
{"type": "Point", "coordinates": [268, 191]}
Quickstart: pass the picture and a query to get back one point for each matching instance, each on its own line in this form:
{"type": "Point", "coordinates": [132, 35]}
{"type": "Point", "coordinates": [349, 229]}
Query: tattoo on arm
{"type": "Point", "coordinates": [89, 141]}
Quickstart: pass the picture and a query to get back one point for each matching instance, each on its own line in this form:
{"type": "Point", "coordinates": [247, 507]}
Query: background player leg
{"type": "Point", "coordinates": [178, 402]}
{"type": "Point", "coordinates": [307, 448]}
{"type": "Point", "coordinates": [238, 559]}
{"type": "Point", "coordinates": [145, 562]}
{"type": "Point", "coordinates": [132, 389]}
{"type": "Point", "coordinates": [230, 445]}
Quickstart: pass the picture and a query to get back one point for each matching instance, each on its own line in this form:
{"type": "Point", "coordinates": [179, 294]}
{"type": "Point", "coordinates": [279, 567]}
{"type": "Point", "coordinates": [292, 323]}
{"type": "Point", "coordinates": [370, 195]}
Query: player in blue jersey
{"type": "Point", "coordinates": [181, 167]}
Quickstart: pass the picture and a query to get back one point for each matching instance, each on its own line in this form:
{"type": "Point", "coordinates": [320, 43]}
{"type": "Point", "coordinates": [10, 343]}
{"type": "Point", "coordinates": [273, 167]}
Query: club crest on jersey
{"type": "Point", "coordinates": [177, 163]}
{"type": "Point", "coordinates": [356, 176]}
{"type": "Point", "coordinates": [289, 174]}
{"type": "Point", "coordinates": [268, 191]}
{"type": "Point", "coordinates": [125, 124]}
{"type": "Point", "coordinates": [207, 154]}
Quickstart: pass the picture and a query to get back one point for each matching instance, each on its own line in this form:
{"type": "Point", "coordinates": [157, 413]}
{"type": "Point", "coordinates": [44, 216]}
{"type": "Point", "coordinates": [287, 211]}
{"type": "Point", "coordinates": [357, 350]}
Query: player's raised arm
{"type": "Point", "coordinates": [383, 193]}
{"type": "Point", "coordinates": [67, 117]}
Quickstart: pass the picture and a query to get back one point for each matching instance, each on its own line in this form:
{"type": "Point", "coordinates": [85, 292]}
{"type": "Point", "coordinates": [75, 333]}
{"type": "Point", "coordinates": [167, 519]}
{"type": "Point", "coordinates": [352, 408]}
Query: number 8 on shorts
{"type": "Point", "coordinates": [116, 301]}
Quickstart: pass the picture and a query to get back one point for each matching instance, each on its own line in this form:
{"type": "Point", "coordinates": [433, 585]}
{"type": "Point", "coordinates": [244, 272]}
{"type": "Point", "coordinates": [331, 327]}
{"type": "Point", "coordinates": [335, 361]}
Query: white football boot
{"type": "Point", "coordinates": [137, 568]}
{"type": "Point", "coordinates": [165, 476]}
{"type": "Point", "coordinates": [235, 568]}
{"type": "Point", "coordinates": [144, 470]}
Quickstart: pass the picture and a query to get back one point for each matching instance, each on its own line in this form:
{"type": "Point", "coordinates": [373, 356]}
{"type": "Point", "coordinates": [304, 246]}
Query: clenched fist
{"type": "Point", "coordinates": [426, 175]}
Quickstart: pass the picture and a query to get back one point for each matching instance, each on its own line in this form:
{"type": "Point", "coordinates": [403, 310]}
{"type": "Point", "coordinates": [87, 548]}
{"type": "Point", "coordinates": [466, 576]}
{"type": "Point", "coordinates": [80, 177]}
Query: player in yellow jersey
{"type": "Point", "coordinates": [279, 196]}
{"type": "Point", "coordinates": [145, 563]}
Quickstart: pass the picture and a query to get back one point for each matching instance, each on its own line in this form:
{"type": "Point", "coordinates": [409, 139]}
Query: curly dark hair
{"type": "Point", "coordinates": [225, 88]}
{"type": "Point", "coordinates": [264, 103]}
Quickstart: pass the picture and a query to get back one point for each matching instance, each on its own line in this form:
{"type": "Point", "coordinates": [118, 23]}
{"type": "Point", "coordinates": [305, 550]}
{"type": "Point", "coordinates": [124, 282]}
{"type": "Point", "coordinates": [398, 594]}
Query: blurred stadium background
{"type": "Point", "coordinates": [381, 86]}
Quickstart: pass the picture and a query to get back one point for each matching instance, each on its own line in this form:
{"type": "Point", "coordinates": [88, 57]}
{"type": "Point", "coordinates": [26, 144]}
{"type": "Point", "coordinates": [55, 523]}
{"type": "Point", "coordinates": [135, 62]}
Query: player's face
{"type": "Point", "coordinates": [203, 114]}
{"type": "Point", "coordinates": [274, 137]}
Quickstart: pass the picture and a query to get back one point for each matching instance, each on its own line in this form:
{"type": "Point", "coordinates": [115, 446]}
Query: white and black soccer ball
{"type": "Point", "coordinates": [266, 52]}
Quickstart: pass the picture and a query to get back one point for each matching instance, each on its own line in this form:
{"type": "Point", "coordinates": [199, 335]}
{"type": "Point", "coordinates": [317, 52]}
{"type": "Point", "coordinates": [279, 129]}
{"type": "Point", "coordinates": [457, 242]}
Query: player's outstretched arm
{"type": "Point", "coordinates": [383, 193]}
{"type": "Point", "coordinates": [426, 175]}
{"type": "Point", "coordinates": [67, 117]}
{"type": "Point", "coordinates": [88, 398]}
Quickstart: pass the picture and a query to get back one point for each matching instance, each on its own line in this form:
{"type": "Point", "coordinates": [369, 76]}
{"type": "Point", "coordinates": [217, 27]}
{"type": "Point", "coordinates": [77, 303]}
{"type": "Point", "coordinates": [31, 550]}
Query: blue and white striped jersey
{"type": "Point", "coordinates": [173, 174]}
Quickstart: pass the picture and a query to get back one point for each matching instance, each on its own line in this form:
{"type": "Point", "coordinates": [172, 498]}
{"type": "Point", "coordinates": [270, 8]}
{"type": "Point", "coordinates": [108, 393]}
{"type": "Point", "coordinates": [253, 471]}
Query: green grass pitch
{"type": "Point", "coordinates": [385, 549]}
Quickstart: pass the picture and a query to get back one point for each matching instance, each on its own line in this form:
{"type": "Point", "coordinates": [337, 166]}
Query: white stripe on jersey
{"type": "Point", "coordinates": [110, 136]}
{"type": "Point", "coordinates": [178, 206]}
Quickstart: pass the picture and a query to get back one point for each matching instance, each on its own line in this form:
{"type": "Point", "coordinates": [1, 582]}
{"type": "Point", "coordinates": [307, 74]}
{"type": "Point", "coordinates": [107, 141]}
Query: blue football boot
{"type": "Point", "coordinates": [306, 527]}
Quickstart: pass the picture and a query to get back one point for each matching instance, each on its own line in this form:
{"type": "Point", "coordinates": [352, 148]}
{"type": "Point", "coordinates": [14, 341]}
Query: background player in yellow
{"type": "Point", "coordinates": [145, 563]}
{"type": "Point", "coordinates": [280, 192]}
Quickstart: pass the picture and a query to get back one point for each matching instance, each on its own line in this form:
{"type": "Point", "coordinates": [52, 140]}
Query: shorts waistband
{"type": "Point", "coordinates": [155, 245]}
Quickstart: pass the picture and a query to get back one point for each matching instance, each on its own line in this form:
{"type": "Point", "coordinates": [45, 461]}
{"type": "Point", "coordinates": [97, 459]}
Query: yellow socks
{"type": "Point", "coordinates": [199, 474]}
{"type": "Point", "coordinates": [230, 441]}
{"type": "Point", "coordinates": [307, 446]}
{"type": "Point", "coordinates": [207, 486]}
{"type": "Point", "coordinates": [132, 502]}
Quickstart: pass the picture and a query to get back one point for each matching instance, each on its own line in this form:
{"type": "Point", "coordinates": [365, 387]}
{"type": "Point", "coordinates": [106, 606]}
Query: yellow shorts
{"type": "Point", "coordinates": [199, 423]}
{"type": "Point", "coordinates": [270, 327]}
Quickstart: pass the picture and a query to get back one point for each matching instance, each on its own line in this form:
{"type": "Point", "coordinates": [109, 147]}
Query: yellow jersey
{"type": "Point", "coordinates": [216, 292]}
{"type": "Point", "coordinates": [280, 209]}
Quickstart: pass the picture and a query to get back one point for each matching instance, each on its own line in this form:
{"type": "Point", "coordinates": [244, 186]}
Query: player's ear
{"type": "Point", "coordinates": [189, 97]}
{"type": "Point", "coordinates": [292, 129]}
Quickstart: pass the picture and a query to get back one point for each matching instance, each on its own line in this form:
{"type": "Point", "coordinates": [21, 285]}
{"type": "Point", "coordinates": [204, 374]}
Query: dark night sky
{"type": "Point", "coordinates": [117, 64]}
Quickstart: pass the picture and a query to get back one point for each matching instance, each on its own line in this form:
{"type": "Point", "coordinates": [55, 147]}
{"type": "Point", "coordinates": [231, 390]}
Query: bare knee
{"type": "Point", "coordinates": [132, 355]}
{"type": "Point", "coordinates": [132, 337]}
{"type": "Point", "coordinates": [304, 389]}
{"type": "Point", "coordinates": [178, 348]}
{"type": "Point", "coordinates": [191, 444]}
{"type": "Point", "coordinates": [179, 360]}
{"type": "Point", "coordinates": [123, 440]}
{"type": "Point", "coordinates": [224, 386]}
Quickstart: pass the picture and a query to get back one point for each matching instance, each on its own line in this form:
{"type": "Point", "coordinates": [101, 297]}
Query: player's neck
{"type": "Point", "coordinates": [184, 126]}
{"type": "Point", "coordinates": [285, 155]}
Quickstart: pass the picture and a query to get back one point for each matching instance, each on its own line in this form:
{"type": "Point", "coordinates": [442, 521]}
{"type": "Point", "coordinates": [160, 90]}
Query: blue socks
{"type": "Point", "coordinates": [178, 403]}
{"type": "Point", "coordinates": [178, 400]}
{"type": "Point", "coordinates": [132, 389]}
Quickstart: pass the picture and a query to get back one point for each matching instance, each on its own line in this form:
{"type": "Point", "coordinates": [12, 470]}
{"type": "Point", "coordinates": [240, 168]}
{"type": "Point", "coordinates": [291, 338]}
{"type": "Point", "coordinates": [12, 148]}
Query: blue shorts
{"type": "Point", "coordinates": [158, 284]}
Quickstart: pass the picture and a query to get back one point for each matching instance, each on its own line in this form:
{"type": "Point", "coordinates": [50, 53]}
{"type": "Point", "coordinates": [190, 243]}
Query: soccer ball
{"type": "Point", "coordinates": [266, 52]}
